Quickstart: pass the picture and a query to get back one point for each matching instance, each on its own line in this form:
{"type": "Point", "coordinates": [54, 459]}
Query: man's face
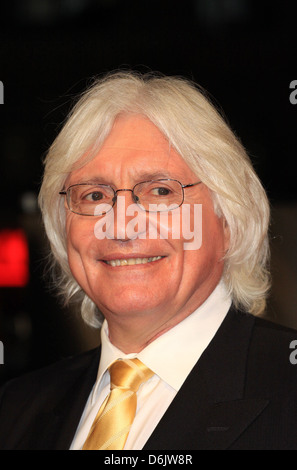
{"type": "Point", "coordinates": [156, 294]}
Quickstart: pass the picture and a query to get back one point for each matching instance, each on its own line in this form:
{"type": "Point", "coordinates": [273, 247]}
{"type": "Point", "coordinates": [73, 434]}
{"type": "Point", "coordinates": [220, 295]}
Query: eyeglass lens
{"type": "Point", "coordinates": [154, 196]}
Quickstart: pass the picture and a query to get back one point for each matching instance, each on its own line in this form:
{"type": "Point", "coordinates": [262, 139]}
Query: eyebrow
{"type": "Point", "coordinates": [141, 176]}
{"type": "Point", "coordinates": [148, 175]}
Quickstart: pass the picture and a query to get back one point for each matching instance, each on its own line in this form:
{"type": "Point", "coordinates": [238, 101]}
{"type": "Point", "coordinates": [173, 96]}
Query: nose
{"type": "Point", "coordinates": [127, 225]}
{"type": "Point", "coordinates": [134, 198]}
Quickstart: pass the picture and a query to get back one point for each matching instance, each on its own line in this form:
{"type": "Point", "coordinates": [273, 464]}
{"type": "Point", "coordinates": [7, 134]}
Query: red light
{"type": "Point", "coordinates": [14, 258]}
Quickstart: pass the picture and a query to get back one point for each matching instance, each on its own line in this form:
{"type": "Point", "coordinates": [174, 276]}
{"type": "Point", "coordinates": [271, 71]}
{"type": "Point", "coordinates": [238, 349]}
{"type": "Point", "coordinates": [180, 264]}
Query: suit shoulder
{"type": "Point", "coordinates": [28, 402]}
{"type": "Point", "coordinates": [271, 356]}
{"type": "Point", "coordinates": [51, 376]}
{"type": "Point", "coordinates": [271, 330]}
{"type": "Point", "coordinates": [273, 340]}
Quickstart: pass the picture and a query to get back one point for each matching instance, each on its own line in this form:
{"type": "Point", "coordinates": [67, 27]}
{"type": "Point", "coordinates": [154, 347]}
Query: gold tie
{"type": "Point", "coordinates": [112, 424]}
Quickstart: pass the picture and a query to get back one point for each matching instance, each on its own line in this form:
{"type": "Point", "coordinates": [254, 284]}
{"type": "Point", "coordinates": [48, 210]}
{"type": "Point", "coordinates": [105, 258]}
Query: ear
{"type": "Point", "coordinates": [226, 231]}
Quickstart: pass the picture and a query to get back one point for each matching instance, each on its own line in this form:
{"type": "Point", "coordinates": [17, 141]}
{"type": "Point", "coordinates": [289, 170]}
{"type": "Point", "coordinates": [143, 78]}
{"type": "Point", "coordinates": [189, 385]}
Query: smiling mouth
{"type": "Point", "coordinates": [131, 261]}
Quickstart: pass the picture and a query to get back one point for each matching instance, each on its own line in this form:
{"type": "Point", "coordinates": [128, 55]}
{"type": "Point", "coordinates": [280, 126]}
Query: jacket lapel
{"type": "Point", "coordinates": [54, 429]}
{"type": "Point", "coordinates": [210, 411]}
{"type": "Point", "coordinates": [228, 420]}
{"type": "Point", "coordinates": [68, 412]}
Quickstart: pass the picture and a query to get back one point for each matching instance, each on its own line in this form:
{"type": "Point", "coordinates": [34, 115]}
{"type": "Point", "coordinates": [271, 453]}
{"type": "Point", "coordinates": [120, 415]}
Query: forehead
{"type": "Point", "coordinates": [135, 146]}
{"type": "Point", "coordinates": [135, 132]}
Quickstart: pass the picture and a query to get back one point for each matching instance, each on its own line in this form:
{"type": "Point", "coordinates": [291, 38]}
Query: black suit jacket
{"type": "Point", "coordinates": [241, 394]}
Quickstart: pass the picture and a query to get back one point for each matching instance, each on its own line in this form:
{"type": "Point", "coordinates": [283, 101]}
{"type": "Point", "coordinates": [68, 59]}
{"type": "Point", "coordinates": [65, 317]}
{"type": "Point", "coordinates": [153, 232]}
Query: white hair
{"type": "Point", "coordinates": [198, 132]}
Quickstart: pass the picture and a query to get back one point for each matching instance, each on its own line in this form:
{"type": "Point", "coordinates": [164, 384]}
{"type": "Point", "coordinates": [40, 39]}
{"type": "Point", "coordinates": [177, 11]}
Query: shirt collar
{"type": "Point", "coordinates": [173, 355]}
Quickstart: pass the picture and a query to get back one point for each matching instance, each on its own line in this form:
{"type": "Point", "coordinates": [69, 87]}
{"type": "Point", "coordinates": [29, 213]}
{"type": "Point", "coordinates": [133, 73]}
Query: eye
{"type": "Point", "coordinates": [94, 196]}
{"type": "Point", "coordinates": [160, 191]}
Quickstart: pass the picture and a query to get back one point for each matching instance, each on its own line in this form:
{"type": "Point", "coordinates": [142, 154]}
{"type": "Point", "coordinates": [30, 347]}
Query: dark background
{"type": "Point", "coordinates": [242, 51]}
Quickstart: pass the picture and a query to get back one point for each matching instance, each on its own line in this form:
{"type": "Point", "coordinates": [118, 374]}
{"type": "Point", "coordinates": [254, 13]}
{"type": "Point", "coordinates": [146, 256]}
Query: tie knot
{"type": "Point", "coordinates": [128, 374]}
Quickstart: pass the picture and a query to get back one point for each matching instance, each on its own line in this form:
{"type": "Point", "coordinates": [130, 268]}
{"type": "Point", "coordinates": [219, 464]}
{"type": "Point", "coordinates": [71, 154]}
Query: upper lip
{"type": "Point", "coordinates": [114, 256]}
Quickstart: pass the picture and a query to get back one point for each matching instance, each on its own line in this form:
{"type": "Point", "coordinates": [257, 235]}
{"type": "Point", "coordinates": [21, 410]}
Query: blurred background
{"type": "Point", "coordinates": [242, 51]}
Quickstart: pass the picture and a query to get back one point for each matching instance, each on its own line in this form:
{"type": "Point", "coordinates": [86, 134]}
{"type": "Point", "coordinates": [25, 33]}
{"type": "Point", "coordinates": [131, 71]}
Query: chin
{"type": "Point", "coordinates": [132, 304]}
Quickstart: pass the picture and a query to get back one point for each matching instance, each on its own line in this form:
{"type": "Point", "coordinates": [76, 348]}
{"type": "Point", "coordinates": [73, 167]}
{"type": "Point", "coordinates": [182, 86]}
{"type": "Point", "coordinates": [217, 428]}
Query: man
{"type": "Point", "coordinates": [158, 224]}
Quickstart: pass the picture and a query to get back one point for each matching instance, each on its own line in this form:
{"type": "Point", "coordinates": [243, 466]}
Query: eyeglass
{"type": "Point", "coordinates": [160, 195]}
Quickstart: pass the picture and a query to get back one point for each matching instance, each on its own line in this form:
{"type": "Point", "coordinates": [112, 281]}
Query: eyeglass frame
{"type": "Point", "coordinates": [114, 199]}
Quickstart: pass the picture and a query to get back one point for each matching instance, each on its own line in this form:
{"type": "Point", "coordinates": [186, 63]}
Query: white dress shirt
{"type": "Point", "coordinates": [171, 357]}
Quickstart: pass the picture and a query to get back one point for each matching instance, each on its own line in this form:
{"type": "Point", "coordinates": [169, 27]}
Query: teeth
{"type": "Point", "coordinates": [132, 261]}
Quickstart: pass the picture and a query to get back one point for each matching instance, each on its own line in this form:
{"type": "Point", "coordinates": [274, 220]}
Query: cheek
{"type": "Point", "coordinates": [198, 230]}
{"type": "Point", "coordinates": [79, 232]}
{"type": "Point", "coordinates": [213, 239]}
{"type": "Point", "coordinates": [210, 237]}
{"type": "Point", "coordinates": [73, 240]}
{"type": "Point", "coordinates": [79, 237]}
